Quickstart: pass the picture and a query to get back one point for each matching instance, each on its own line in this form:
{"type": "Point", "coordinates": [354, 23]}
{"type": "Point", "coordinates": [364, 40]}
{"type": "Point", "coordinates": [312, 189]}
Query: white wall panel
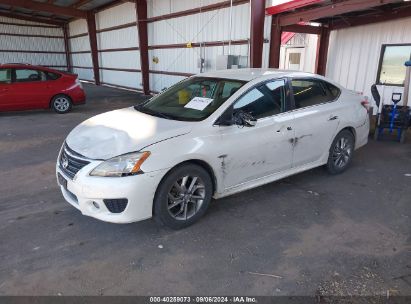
{"type": "Point", "coordinates": [39, 44]}
{"type": "Point", "coordinates": [162, 7]}
{"type": "Point", "coordinates": [86, 74]}
{"type": "Point", "coordinates": [19, 21]}
{"type": "Point", "coordinates": [208, 26]}
{"type": "Point", "coordinates": [120, 60]}
{"type": "Point", "coordinates": [35, 59]}
{"type": "Point", "coordinates": [27, 30]}
{"type": "Point", "coordinates": [354, 53]}
{"type": "Point", "coordinates": [79, 44]}
{"type": "Point", "coordinates": [78, 27]}
{"type": "Point", "coordinates": [123, 38]}
{"type": "Point", "coordinates": [31, 44]}
{"type": "Point", "coordinates": [117, 15]}
{"type": "Point", "coordinates": [83, 60]}
{"type": "Point", "coordinates": [127, 79]}
{"type": "Point", "coordinates": [159, 82]}
{"type": "Point", "coordinates": [185, 60]}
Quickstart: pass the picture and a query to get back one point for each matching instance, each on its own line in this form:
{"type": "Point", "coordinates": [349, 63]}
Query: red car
{"type": "Point", "coordinates": [26, 87]}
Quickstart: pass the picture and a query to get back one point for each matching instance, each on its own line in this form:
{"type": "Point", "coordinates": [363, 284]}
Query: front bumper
{"type": "Point", "coordinates": [139, 190]}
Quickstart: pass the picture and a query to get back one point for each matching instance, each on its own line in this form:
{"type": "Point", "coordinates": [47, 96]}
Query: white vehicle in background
{"type": "Point", "coordinates": [211, 135]}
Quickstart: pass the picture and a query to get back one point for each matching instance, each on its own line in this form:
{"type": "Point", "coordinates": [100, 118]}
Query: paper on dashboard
{"type": "Point", "coordinates": [198, 103]}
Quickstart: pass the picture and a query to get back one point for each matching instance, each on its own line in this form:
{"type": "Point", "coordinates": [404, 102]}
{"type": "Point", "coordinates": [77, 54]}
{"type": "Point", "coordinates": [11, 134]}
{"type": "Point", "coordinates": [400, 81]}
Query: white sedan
{"type": "Point", "coordinates": [209, 136]}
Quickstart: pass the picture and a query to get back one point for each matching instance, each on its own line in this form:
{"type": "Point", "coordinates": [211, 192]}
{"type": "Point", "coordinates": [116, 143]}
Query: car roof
{"type": "Point", "coordinates": [251, 74]}
{"type": "Point", "coordinates": [25, 65]}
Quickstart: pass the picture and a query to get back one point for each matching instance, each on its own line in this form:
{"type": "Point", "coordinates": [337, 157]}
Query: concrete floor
{"type": "Point", "coordinates": [340, 235]}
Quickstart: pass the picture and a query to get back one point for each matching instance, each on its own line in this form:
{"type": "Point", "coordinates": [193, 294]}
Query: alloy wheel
{"type": "Point", "coordinates": [342, 152]}
{"type": "Point", "coordinates": [61, 104]}
{"type": "Point", "coordinates": [185, 197]}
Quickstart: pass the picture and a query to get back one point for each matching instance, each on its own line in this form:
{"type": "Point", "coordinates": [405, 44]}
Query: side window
{"type": "Point", "coordinates": [26, 75]}
{"type": "Point", "coordinates": [263, 101]}
{"type": "Point", "coordinates": [52, 76]}
{"type": "Point", "coordinates": [310, 92]}
{"type": "Point", "coordinates": [5, 75]}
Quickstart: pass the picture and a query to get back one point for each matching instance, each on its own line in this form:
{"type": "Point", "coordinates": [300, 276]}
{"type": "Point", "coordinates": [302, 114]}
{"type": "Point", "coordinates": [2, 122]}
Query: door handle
{"type": "Point", "coordinates": [333, 117]}
{"type": "Point", "coordinates": [282, 128]}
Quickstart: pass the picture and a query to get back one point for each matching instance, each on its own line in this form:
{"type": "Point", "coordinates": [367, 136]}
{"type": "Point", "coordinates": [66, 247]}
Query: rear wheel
{"type": "Point", "coordinates": [61, 104]}
{"type": "Point", "coordinates": [183, 196]}
{"type": "Point", "coordinates": [341, 152]}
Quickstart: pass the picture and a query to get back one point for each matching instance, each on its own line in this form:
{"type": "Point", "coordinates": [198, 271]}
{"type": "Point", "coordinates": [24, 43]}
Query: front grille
{"type": "Point", "coordinates": [71, 162]}
{"type": "Point", "coordinates": [116, 205]}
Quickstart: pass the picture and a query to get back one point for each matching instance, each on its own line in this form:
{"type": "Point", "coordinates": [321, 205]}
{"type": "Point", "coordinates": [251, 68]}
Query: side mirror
{"type": "Point", "coordinates": [245, 119]}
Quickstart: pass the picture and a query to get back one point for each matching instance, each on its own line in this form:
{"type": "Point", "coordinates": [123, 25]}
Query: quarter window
{"type": "Point", "coordinates": [391, 70]}
{"type": "Point", "coordinates": [52, 76]}
{"type": "Point", "coordinates": [263, 101]}
{"type": "Point", "coordinates": [26, 75]}
{"type": "Point", "coordinates": [312, 92]}
{"type": "Point", "coordinates": [5, 75]}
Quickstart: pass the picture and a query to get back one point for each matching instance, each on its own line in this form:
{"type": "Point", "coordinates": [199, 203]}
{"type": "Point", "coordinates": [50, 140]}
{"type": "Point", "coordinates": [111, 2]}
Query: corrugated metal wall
{"type": "Point", "coordinates": [47, 51]}
{"type": "Point", "coordinates": [354, 53]}
{"type": "Point", "coordinates": [169, 63]}
{"type": "Point", "coordinates": [212, 26]}
{"type": "Point", "coordinates": [110, 42]}
{"type": "Point", "coordinates": [80, 49]}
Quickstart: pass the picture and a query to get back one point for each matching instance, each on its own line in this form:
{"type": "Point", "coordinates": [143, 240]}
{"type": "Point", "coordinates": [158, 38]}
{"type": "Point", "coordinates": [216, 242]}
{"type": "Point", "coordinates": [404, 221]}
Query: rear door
{"type": "Point", "coordinates": [315, 119]}
{"type": "Point", "coordinates": [5, 87]}
{"type": "Point", "coordinates": [29, 89]}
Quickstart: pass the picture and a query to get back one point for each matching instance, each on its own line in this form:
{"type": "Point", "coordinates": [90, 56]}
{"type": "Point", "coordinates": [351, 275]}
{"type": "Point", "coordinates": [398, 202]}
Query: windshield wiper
{"type": "Point", "coordinates": [151, 112]}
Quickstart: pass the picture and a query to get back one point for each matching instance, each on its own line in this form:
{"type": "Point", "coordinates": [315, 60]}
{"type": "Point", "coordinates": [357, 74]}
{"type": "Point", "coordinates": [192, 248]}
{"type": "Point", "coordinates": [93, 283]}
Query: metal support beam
{"type": "Point", "coordinates": [45, 7]}
{"type": "Point", "coordinates": [289, 6]}
{"type": "Point", "coordinates": [303, 29]}
{"type": "Point", "coordinates": [67, 47]}
{"type": "Point", "coordinates": [141, 10]}
{"type": "Point", "coordinates": [91, 24]}
{"type": "Point", "coordinates": [275, 44]}
{"type": "Point", "coordinates": [30, 18]}
{"type": "Point", "coordinates": [403, 12]}
{"type": "Point", "coordinates": [322, 51]}
{"type": "Point", "coordinates": [257, 33]}
{"type": "Point", "coordinates": [331, 9]}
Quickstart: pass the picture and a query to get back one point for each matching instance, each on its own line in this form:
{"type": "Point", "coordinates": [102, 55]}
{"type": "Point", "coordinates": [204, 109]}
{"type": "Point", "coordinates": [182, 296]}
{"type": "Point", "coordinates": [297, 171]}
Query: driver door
{"type": "Point", "coordinates": [249, 153]}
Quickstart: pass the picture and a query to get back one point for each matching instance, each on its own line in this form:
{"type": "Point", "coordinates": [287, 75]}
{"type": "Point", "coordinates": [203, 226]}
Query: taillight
{"type": "Point", "coordinates": [79, 83]}
{"type": "Point", "coordinates": [366, 104]}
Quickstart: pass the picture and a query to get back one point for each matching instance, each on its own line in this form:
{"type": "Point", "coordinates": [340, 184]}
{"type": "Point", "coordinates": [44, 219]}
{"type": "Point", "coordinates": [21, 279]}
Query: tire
{"type": "Point", "coordinates": [61, 104]}
{"type": "Point", "coordinates": [341, 152]}
{"type": "Point", "coordinates": [174, 190]}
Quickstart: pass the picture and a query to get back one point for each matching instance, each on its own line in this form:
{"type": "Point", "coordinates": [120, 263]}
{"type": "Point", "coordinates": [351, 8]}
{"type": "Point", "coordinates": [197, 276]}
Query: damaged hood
{"type": "Point", "coordinates": [122, 131]}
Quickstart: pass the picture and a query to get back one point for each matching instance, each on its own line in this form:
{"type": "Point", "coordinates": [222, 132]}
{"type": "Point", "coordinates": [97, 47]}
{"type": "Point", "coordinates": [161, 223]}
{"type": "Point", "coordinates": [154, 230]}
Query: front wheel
{"type": "Point", "coordinates": [183, 196]}
{"type": "Point", "coordinates": [61, 104]}
{"type": "Point", "coordinates": [341, 152]}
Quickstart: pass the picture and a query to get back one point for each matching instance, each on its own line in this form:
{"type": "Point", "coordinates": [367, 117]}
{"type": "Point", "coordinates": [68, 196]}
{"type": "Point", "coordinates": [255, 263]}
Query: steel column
{"type": "Point", "coordinates": [275, 44]}
{"type": "Point", "coordinates": [91, 24]}
{"type": "Point", "coordinates": [257, 33]}
{"type": "Point", "coordinates": [322, 51]}
{"type": "Point", "coordinates": [67, 47]}
{"type": "Point", "coordinates": [141, 10]}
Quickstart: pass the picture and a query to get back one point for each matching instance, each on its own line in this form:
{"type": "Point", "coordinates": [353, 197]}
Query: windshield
{"type": "Point", "coordinates": [192, 99]}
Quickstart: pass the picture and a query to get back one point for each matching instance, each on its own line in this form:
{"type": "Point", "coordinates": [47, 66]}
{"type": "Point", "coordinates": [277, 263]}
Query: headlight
{"type": "Point", "coordinates": [123, 165]}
